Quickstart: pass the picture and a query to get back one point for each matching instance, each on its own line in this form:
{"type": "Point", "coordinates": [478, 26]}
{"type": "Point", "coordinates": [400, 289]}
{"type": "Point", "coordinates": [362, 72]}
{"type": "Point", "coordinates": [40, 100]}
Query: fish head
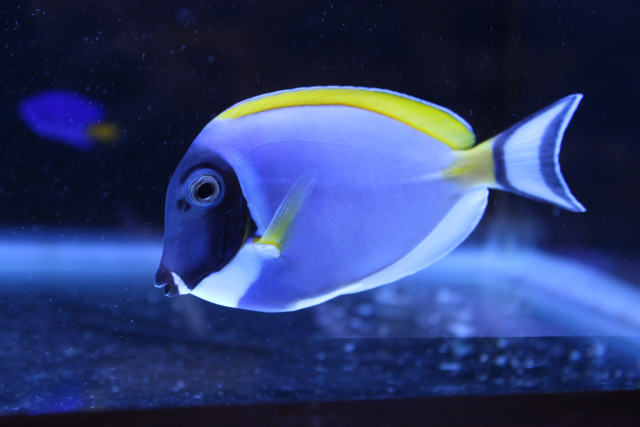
{"type": "Point", "coordinates": [206, 221]}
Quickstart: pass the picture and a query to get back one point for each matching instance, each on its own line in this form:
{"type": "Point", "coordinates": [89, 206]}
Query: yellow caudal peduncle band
{"type": "Point", "coordinates": [473, 167]}
{"type": "Point", "coordinates": [431, 119]}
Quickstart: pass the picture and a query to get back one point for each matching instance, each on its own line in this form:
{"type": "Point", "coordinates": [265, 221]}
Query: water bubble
{"type": "Point", "coordinates": [364, 309]}
{"type": "Point", "coordinates": [449, 366]}
{"type": "Point", "coordinates": [598, 350]}
{"type": "Point", "coordinates": [514, 362]}
{"type": "Point", "coordinates": [461, 330]}
{"type": "Point", "coordinates": [481, 376]}
{"type": "Point", "coordinates": [575, 355]}
{"type": "Point", "coordinates": [356, 323]}
{"type": "Point", "coordinates": [500, 360]}
{"type": "Point", "coordinates": [502, 343]}
{"type": "Point", "coordinates": [461, 349]}
{"type": "Point", "coordinates": [185, 15]}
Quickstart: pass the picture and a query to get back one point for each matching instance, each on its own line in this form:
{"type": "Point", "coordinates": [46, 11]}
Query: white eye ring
{"type": "Point", "coordinates": [204, 190]}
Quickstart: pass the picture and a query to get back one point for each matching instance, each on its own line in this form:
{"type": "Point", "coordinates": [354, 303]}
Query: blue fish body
{"type": "Point", "coordinates": [290, 199]}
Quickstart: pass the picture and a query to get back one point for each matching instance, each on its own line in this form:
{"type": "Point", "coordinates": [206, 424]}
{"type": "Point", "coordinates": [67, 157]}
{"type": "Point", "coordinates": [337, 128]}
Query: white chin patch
{"type": "Point", "coordinates": [182, 288]}
{"type": "Point", "coordinates": [228, 285]}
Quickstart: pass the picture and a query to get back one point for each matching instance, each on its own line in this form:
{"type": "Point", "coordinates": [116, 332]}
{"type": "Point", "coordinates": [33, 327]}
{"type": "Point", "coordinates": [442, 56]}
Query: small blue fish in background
{"type": "Point", "coordinates": [69, 117]}
{"type": "Point", "coordinates": [289, 199]}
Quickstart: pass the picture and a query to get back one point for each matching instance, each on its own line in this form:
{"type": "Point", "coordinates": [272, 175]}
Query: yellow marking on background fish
{"type": "Point", "coordinates": [428, 119]}
{"type": "Point", "coordinates": [473, 167]}
{"type": "Point", "coordinates": [105, 133]}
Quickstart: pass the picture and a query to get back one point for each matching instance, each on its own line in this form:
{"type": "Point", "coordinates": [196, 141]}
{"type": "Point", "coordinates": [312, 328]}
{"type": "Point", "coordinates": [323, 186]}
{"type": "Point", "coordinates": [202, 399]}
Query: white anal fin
{"type": "Point", "coordinates": [454, 228]}
{"type": "Point", "coordinates": [282, 229]}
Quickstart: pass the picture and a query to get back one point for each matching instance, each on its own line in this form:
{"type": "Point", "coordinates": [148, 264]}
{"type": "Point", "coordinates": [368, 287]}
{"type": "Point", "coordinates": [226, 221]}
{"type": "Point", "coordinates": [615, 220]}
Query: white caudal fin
{"type": "Point", "coordinates": [526, 155]}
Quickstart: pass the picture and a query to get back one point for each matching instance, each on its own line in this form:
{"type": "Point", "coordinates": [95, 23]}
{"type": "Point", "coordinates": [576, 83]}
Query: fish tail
{"type": "Point", "coordinates": [524, 159]}
{"type": "Point", "coordinates": [526, 156]}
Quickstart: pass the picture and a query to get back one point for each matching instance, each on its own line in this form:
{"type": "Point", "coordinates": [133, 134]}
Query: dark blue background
{"type": "Point", "coordinates": [164, 68]}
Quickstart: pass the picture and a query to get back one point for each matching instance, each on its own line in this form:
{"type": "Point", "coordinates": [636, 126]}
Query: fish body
{"type": "Point", "coordinates": [329, 191]}
{"type": "Point", "coordinates": [67, 116]}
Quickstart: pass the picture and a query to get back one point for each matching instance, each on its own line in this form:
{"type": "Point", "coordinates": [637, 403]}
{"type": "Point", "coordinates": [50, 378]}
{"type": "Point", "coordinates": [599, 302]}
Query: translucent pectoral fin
{"type": "Point", "coordinates": [282, 229]}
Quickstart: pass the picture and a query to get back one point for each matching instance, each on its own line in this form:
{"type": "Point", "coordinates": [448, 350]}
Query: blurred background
{"type": "Point", "coordinates": [163, 69]}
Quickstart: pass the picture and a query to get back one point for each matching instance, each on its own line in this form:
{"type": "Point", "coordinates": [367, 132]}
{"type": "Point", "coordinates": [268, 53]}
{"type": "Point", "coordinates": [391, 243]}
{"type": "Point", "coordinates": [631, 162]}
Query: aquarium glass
{"type": "Point", "coordinates": [100, 100]}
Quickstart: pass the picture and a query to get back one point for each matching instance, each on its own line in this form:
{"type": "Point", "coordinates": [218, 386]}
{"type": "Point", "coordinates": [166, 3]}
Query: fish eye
{"type": "Point", "coordinates": [204, 188]}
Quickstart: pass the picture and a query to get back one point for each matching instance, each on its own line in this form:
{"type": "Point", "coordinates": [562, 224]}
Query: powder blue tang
{"type": "Point", "coordinates": [289, 199]}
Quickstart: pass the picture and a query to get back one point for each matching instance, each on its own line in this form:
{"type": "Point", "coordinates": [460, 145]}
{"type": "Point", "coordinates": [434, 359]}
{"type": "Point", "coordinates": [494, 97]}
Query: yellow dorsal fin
{"type": "Point", "coordinates": [282, 229]}
{"type": "Point", "coordinates": [438, 122]}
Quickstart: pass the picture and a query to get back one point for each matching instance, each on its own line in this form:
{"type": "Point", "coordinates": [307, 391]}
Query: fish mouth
{"type": "Point", "coordinates": [172, 283]}
{"type": "Point", "coordinates": [175, 285]}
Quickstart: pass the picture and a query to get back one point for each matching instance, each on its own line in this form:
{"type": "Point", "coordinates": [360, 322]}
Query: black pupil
{"type": "Point", "coordinates": [205, 191]}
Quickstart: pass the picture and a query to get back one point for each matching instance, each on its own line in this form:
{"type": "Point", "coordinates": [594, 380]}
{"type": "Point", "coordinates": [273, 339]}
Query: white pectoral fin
{"type": "Point", "coordinates": [282, 229]}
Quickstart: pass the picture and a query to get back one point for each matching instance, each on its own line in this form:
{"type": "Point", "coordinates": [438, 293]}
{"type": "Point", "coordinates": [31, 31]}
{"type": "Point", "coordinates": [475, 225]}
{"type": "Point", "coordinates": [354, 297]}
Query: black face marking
{"type": "Point", "coordinates": [201, 238]}
{"type": "Point", "coordinates": [164, 279]}
{"type": "Point", "coordinates": [224, 243]}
